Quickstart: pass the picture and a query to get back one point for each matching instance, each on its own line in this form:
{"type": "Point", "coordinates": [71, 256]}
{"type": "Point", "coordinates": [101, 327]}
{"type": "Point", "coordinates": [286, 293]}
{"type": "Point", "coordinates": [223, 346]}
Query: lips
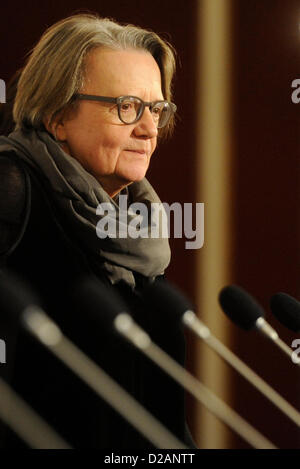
{"type": "Point", "coordinates": [139, 151]}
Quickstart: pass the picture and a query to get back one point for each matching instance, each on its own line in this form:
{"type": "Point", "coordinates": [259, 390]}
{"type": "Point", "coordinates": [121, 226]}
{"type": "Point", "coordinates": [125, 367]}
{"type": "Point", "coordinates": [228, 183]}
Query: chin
{"type": "Point", "coordinates": [134, 176]}
{"type": "Point", "coordinates": [138, 178]}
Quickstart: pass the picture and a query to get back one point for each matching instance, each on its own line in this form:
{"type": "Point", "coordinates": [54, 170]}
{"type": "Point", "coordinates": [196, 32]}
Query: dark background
{"type": "Point", "coordinates": [265, 169]}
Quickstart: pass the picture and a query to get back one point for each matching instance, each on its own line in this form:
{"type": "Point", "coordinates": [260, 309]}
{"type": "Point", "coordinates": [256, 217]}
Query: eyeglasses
{"type": "Point", "coordinates": [131, 108]}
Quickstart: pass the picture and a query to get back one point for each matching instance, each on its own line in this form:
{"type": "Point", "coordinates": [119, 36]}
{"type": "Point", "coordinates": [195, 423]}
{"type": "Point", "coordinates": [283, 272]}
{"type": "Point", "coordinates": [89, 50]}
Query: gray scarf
{"type": "Point", "coordinates": [77, 194]}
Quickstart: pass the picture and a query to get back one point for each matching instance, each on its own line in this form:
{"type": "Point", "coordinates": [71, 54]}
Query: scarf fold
{"type": "Point", "coordinates": [115, 233]}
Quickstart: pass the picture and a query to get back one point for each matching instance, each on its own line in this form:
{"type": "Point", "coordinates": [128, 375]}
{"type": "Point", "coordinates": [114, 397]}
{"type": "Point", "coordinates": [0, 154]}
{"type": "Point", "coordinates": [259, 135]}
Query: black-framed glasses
{"type": "Point", "coordinates": [131, 108]}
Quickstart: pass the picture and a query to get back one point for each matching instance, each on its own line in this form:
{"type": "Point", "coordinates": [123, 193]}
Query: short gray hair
{"type": "Point", "coordinates": [55, 69]}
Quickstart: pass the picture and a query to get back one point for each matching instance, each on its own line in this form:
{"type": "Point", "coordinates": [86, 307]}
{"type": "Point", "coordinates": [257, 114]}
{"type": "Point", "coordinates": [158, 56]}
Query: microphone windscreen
{"type": "Point", "coordinates": [166, 299]}
{"type": "Point", "coordinates": [101, 303]}
{"type": "Point", "coordinates": [240, 307]}
{"type": "Point", "coordinates": [15, 296]}
{"type": "Point", "coordinates": [287, 310]}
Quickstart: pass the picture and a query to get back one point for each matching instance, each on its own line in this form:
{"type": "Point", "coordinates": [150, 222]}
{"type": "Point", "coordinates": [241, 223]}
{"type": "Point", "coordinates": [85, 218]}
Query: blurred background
{"type": "Point", "coordinates": [235, 148]}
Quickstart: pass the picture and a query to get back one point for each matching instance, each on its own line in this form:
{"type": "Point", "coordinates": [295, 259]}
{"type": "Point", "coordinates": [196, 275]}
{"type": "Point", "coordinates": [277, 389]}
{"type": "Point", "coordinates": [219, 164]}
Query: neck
{"type": "Point", "coordinates": [112, 189]}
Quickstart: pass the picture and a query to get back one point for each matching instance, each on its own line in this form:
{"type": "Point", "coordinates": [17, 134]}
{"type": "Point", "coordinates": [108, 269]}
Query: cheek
{"type": "Point", "coordinates": [101, 154]}
{"type": "Point", "coordinates": [95, 146]}
{"type": "Point", "coordinates": [153, 145]}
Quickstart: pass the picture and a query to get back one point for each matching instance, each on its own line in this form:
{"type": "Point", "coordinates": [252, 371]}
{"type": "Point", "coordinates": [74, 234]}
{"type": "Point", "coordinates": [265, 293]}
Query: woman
{"type": "Point", "coordinates": [91, 103]}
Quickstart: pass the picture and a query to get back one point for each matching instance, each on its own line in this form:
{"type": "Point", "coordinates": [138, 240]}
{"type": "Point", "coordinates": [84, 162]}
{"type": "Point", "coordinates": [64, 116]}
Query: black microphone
{"type": "Point", "coordinates": [15, 295]}
{"type": "Point", "coordinates": [88, 295]}
{"type": "Point", "coordinates": [171, 304]}
{"type": "Point", "coordinates": [14, 411]}
{"type": "Point", "coordinates": [240, 307]}
{"type": "Point", "coordinates": [19, 302]}
{"type": "Point", "coordinates": [244, 311]}
{"type": "Point", "coordinates": [287, 310]}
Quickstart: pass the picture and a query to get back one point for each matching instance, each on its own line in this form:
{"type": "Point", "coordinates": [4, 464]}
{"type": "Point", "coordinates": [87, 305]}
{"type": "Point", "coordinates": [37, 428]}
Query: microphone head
{"type": "Point", "coordinates": [15, 295]}
{"type": "Point", "coordinates": [100, 302]}
{"type": "Point", "coordinates": [240, 307]}
{"type": "Point", "coordinates": [287, 310]}
{"type": "Point", "coordinates": [161, 296]}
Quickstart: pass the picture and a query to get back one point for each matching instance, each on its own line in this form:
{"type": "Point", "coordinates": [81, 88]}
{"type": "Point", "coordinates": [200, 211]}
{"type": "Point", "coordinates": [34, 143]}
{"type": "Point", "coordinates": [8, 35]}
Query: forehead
{"type": "Point", "coordinates": [117, 72]}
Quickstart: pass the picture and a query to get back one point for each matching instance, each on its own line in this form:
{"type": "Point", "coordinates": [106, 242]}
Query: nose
{"type": "Point", "coordinates": [146, 127]}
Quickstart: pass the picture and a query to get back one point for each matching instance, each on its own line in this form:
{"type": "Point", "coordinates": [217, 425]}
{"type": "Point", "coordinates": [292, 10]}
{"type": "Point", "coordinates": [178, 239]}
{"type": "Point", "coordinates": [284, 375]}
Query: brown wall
{"type": "Point", "coordinates": [267, 194]}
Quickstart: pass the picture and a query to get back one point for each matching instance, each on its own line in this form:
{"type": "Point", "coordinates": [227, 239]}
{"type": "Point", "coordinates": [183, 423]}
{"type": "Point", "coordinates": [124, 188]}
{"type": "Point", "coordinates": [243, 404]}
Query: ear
{"type": "Point", "coordinates": [55, 127]}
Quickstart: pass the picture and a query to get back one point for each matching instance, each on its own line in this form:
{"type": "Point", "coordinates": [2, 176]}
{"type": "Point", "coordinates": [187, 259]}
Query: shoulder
{"type": "Point", "coordinates": [14, 200]}
{"type": "Point", "coordinates": [13, 189]}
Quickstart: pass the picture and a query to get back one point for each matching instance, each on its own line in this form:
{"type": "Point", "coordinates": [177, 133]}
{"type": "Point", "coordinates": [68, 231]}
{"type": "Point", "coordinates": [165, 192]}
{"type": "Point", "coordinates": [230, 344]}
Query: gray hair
{"type": "Point", "coordinates": [55, 70]}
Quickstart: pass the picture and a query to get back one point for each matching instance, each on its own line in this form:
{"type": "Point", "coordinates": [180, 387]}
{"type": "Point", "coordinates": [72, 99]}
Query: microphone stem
{"type": "Point", "coordinates": [42, 327]}
{"type": "Point", "coordinates": [208, 399]}
{"type": "Point", "coordinates": [26, 423]}
{"type": "Point", "coordinates": [194, 324]}
{"type": "Point", "coordinates": [134, 334]}
{"type": "Point", "coordinates": [285, 348]}
{"type": "Point", "coordinates": [265, 328]}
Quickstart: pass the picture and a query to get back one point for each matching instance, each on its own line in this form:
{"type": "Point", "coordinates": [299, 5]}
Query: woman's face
{"type": "Point", "coordinates": [116, 154]}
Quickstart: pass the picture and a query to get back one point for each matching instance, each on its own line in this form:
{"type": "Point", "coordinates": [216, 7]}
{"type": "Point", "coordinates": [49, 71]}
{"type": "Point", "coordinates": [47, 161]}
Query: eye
{"type": "Point", "coordinates": [156, 110]}
{"type": "Point", "coordinates": [127, 106]}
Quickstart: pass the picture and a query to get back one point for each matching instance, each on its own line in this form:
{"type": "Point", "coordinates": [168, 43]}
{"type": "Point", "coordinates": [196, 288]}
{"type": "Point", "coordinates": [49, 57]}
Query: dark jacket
{"type": "Point", "coordinates": [36, 244]}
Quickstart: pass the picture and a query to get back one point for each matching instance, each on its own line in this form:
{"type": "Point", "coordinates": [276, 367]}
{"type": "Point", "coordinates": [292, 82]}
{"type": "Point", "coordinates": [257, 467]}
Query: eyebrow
{"type": "Point", "coordinates": [110, 99]}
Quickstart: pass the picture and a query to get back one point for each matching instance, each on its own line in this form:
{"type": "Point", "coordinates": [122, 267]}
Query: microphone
{"type": "Point", "coordinates": [171, 303]}
{"type": "Point", "coordinates": [287, 310]}
{"type": "Point", "coordinates": [18, 301]}
{"type": "Point", "coordinates": [244, 311]}
{"type": "Point", "coordinates": [14, 411]}
{"type": "Point", "coordinates": [89, 294]}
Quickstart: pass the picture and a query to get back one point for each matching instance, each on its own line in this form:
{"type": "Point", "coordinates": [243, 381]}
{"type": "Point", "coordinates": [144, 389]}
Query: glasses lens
{"type": "Point", "coordinates": [162, 112]}
{"type": "Point", "coordinates": [129, 109]}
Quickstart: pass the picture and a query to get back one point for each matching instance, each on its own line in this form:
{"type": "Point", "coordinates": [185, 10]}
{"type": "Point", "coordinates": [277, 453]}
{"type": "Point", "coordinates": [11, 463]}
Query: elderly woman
{"type": "Point", "coordinates": [92, 101]}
